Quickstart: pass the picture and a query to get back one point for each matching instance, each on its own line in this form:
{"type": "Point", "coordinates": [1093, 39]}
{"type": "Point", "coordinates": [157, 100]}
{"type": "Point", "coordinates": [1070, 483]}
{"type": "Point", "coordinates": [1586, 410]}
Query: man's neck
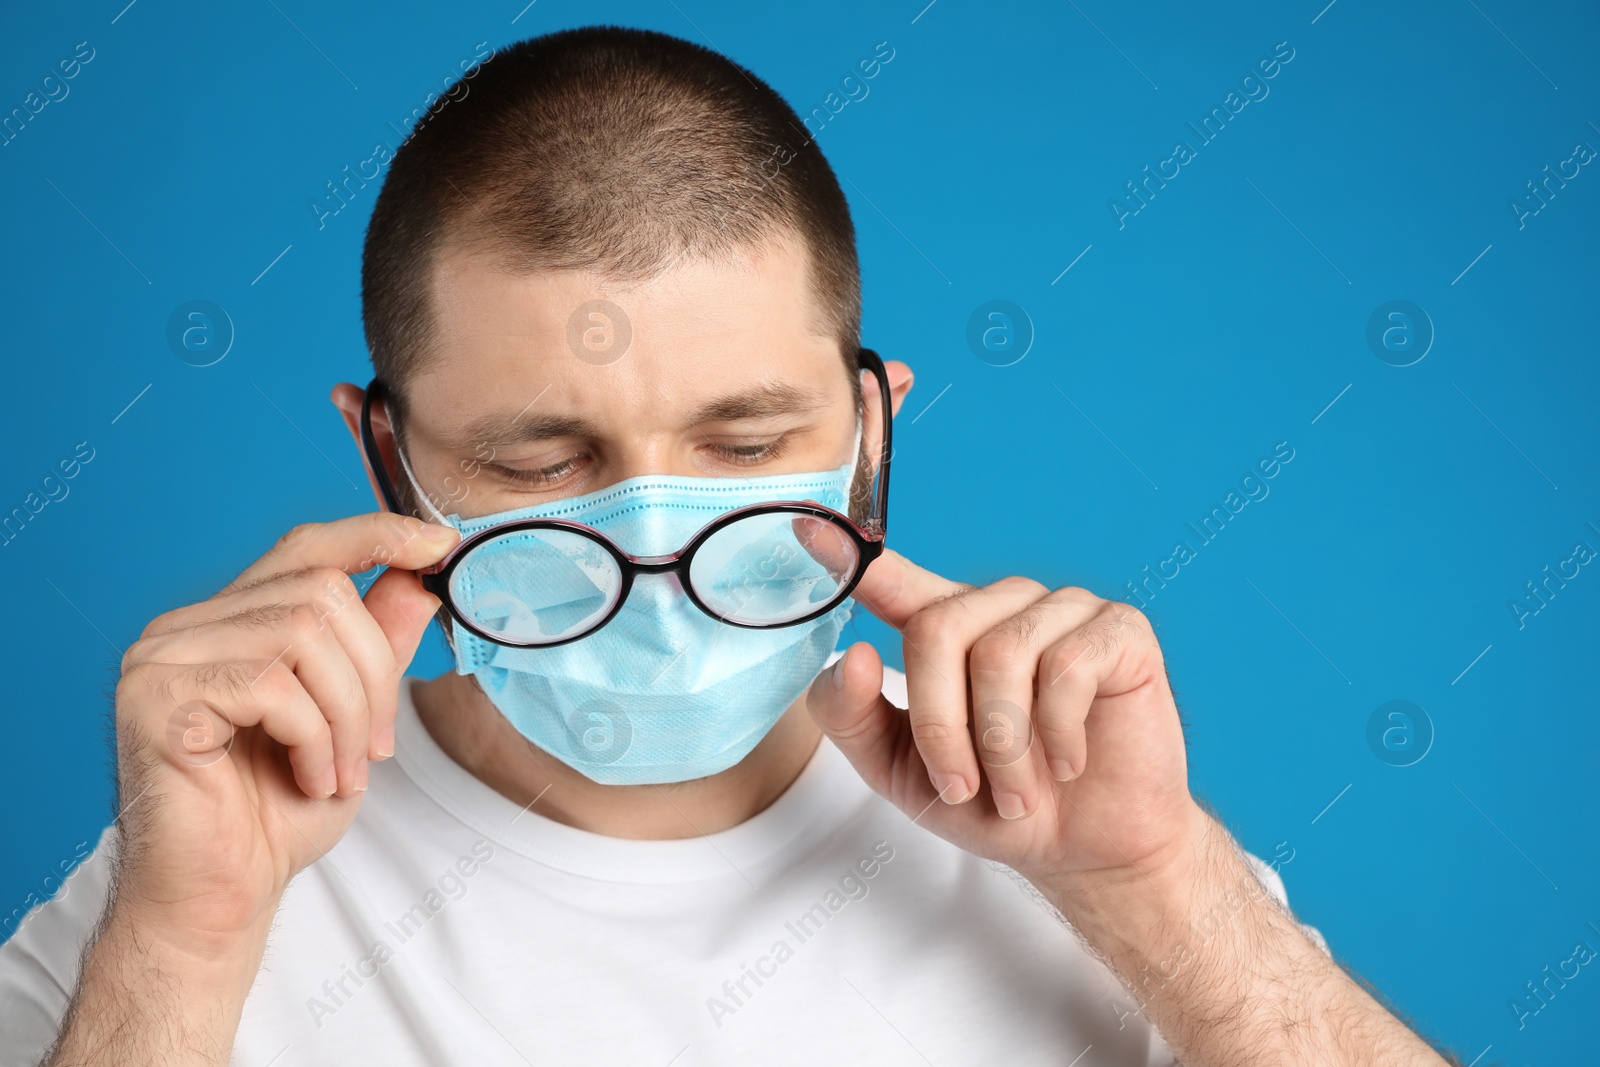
{"type": "Point", "coordinates": [473, 733]}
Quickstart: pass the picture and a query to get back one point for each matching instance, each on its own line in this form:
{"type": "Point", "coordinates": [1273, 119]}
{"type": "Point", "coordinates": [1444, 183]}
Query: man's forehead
{"type": "Point", "coordinates": [701, 341]}
{"type": "Point", "coordinates": [486, 290]}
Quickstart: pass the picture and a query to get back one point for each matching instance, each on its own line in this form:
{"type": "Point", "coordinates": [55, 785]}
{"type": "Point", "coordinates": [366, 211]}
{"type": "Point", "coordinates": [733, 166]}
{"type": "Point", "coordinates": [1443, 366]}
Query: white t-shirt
{"type": "Point", "coordinates": [450, 926]}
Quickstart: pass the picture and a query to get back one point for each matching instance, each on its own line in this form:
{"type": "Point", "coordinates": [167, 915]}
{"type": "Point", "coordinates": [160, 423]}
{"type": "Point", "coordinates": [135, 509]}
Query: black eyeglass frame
{"type": "Point", "coordinates": [868, 537]}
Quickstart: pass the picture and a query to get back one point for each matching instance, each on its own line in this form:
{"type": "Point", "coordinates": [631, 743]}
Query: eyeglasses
{"type": "Point", "coordinates": [538, 583]}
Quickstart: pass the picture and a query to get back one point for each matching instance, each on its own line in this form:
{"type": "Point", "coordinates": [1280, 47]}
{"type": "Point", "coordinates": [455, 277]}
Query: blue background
{"type": "Point", "coordinates": [1179, 349]}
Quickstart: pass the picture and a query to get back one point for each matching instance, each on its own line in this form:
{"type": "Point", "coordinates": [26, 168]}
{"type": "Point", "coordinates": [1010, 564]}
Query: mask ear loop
{"type": "Point", "coordinates": [855, 462]}
{"type": "Point", "coordinates": [421, 492]}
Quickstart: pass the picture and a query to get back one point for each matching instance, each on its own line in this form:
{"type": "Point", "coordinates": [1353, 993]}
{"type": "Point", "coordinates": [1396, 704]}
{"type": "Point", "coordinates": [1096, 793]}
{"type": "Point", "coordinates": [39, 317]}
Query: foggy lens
{"type": "Point", "coordinates": [536, 586]}
{"type": "Point", "coordinates": [773, 567]}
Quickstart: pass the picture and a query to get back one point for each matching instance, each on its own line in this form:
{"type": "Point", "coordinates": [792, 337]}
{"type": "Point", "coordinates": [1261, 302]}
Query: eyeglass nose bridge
{"type": "Point", "coordinates": [673, 569]}
{"type": "Point", "coordinates": [657, 564]}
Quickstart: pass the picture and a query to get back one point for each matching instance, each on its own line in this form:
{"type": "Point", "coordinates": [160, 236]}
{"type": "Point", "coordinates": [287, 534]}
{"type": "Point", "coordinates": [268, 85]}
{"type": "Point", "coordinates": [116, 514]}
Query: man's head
{"type": "Point", "coordinates": [619, 253]}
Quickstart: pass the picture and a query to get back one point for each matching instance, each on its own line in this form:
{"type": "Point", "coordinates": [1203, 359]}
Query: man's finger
{"type": "Point", "coordinates": [354, 544]}
{"type": "Point", "coordinates": [847, 702]}
{"type": "Point", "coordinates": [1101, 659]}
{"type": "Point", "coordinates": [1008, 725]}
{"type": "Point", "coordinates": [325, 671]}
{"type": "Point", "coordinates": [379, 643]}
{"type": "Point", "coordinates": [894, 589]}
{"type": "Point", "coordinates": [939, 681]}
{"type": "Point", "coordinates": [247, 692]}
{"type": "Point", "coordinates": [403, 609]}
{"type": "Point", "coordinates": [827, 544]}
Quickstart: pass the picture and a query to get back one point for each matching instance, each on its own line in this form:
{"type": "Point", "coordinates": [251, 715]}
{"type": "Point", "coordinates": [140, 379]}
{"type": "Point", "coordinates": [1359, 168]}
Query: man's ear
{"type": "Point", "coordinates": [348, 399]}
{"type": "Point", "coordinates": [900, 382]}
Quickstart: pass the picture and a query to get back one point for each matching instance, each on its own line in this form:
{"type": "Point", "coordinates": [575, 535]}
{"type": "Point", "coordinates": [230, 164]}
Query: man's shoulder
{"type": "Point", "coordinates": [39, 963]}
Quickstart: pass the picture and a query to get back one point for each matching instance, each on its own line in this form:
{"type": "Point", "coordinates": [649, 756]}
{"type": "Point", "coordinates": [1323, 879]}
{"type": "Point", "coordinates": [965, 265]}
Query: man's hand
{"type": "Point", "coordinates": [1041, 720]}
{"type": "Point", "coordinates": [1041, 733]}
{"type": "Point", "coordinates": [250, 718]}
{"type": "Point", "coordinates": [244, 727]}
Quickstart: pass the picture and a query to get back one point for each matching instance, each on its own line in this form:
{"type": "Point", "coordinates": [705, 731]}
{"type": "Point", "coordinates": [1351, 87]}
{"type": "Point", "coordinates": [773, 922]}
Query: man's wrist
{"type": "Point", "coordinates": [1154, 921]}
{"type": "Point", "coordinates": [1173, 925]}
{"type": "Point", "coordinates": [149, 994]}
{"type": "Point", "coordinates": [189, 958]}
{"type": "Point", "coordinates": [1222, 970]}
{"type": "Point", "coordinates": [1161, 883]}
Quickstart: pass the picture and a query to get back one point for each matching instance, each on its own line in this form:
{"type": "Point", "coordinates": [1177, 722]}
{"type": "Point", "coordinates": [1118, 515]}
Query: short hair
{"type": "Point", "coordinates": [609, 149]}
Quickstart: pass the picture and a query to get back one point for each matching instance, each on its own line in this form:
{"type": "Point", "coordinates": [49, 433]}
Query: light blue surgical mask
{"type": "Point", "coordinates": [663, 692]}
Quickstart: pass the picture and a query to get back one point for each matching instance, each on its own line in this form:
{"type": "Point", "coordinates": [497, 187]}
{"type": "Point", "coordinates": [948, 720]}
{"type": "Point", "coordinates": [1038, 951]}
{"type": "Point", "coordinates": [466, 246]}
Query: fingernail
{"type": "Point", "coordinates": [952, 788]}
{"type": "Point", "coordinates": [838, 674]}
{"type": "Point", "coordinates": [434, 532]}
{"type": "Point", "coordinates": [1061, 770]}
{"type": "Point", "coordinates": [386, 742]}
{"type": "Point", "coordinates": [1009, 805]}
{"type": "Point", "coordinates": [330, 782]}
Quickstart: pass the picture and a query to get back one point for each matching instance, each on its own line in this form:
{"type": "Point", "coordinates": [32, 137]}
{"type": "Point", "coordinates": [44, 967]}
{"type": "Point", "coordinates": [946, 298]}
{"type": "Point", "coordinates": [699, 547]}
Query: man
{"type": "Point", "coordinates": [612, 299]}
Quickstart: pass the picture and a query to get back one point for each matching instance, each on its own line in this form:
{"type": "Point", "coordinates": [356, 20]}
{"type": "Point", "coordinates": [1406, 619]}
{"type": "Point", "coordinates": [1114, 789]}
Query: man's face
{"type": "Point", "coordinates": [722, 377]}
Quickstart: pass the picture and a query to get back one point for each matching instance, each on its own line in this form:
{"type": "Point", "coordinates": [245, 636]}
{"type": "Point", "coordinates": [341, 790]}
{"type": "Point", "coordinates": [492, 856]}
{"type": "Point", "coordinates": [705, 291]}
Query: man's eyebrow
{"type": "Point", "coordinates": [519, 429]}
{"type": "Point", "coordinates": [763, 401]}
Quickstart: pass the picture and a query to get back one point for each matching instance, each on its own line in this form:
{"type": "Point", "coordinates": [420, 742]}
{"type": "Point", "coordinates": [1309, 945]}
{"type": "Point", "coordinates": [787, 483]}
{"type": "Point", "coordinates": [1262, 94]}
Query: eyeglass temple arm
{"type": "Point", "coordinates": [369, 442]}
{"type": "Point", "coordinates": [878, 516]}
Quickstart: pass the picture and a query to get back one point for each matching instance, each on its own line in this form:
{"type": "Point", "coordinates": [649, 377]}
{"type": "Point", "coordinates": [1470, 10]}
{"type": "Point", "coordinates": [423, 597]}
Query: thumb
{"type": "Point", "coordinates": [403, 609]}
{"type": "Point", "coordinates": [847, 703]}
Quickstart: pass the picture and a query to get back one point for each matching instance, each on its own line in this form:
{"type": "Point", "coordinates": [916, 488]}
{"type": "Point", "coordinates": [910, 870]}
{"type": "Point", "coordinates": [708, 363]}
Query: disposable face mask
{"type": "Point", "coordinates": [663, 692]}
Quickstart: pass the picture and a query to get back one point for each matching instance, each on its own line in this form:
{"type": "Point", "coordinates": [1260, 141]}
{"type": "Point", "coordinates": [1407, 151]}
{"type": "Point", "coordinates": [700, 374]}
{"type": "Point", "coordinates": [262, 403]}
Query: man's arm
{"type": "Point", "coordinates": [1222, 971]}
{"type": "Point", "coordinates": [145, 1001]}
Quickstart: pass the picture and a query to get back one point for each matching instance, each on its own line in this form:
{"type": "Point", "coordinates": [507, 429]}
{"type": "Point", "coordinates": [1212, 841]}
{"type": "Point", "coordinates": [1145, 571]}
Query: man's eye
{"type": "Point", "coordinates": [754, 453]}
{"type": "Point", "coordinates": [539, 475]}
